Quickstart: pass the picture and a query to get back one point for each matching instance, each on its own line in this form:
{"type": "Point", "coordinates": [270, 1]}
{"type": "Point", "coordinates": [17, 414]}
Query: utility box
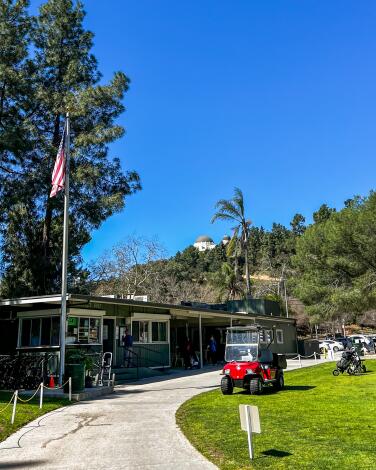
{"type": "Point", "coordinates": [307, 347]}
{"type": "Point", "coordinates": [279, 360]}
{"type": "Point", "coordinates": [77, 374]}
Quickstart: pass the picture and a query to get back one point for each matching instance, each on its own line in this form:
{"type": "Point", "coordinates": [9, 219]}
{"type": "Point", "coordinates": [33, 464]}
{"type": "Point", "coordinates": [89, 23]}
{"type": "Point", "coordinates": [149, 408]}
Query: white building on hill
{"type": "Point", "coordinates": [204, 242]}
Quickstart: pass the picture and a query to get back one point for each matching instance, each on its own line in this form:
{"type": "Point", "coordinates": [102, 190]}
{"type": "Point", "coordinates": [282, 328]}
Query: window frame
{"type": "Point", "coordinates": [281, 339]}
{"type": "Point", "coordinates": [159, 341]}
{"type": "Point", "coordinates": [40, 319]}
{"type": "Point", "coordinates": [150, 322]}
{"type": "Point", "coordinates": [143, 322]}
{"type": "Point", "coordinates": [267, 336]}
{"type": "Point", "coordinates": [79, 335]}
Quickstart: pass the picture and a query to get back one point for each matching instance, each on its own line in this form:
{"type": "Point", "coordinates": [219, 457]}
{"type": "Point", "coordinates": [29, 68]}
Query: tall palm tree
{"type": "Point", "coordinates": [226, 283]}
{"type": "Point", "coordinates": [233, 210]}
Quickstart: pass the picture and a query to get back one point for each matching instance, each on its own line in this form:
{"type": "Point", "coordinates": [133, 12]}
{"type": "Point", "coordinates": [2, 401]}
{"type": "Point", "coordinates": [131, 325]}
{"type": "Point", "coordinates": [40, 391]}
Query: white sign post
{"type": "Point", "coordinates": [250, 422]}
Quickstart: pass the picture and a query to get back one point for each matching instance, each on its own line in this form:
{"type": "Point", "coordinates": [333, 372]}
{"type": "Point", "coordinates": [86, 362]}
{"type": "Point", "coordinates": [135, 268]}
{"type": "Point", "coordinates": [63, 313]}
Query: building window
{"type": "Point", "coordinates": [83, 330]}
{"type": "Point", "coordinates": [72, 330]}
{"type": "Point", "coordinates": [35, 332]}
{"type": "Point", "coordinates": [279, 334]}
{"type": "Point", "coordinates": [266, 336]}
{"type": "Point", "coordinates": [45, 331]}
{"type": "Point", "coordinates": [25, 332]}
{"type": "Point", "coordinates": [55, 331]}
{"type": "Point", "coordinates": [40, 332]}
{"type": "Point", "coordinates": [159, 332]}
{"type": "Point", "coordinates": [140, 331]}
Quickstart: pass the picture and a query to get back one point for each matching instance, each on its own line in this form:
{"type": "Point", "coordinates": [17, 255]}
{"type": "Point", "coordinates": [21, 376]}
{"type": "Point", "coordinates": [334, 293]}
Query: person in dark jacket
{"type": "Point", "coordinates": [127, 341]}
{"type": "Point", "coordinates": [187, 353]}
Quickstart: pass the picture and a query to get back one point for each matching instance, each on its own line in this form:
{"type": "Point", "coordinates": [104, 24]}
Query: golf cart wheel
{"type": "Point", "coordinates": [364, 368]}
{"type": "Point", "coordinates": [226, 386]}
{"type": "Point", "coordinates": [280, 383]}
{"type": "Point", "coordinates": [335, 372]}
{"type": "Point", "coordinates": [255, 386]}
{"type": "Point", "coordinates": [350, 371]}
{"type": "Point", "coordinates": [335, 349]}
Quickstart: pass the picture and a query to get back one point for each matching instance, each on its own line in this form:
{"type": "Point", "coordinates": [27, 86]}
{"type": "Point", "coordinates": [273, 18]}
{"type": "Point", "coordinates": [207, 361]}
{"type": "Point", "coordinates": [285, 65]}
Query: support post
{"type": "Point", "coordinates": [41, 396]}
{"type": "Point", "coordinates": [300, 360]}
{"type": "Point", "coordinates": [70, 388]}
{"type": "Point", "coordinates": [249, 431]}
{"type": "Point", "coordinates": [286, 303]}
{"type": "Point", "coordinates": [200, 338]}
{"type": "Point", "coordinates": [315, 356]}
{"type": "Point", "coordinates": [14, 406]}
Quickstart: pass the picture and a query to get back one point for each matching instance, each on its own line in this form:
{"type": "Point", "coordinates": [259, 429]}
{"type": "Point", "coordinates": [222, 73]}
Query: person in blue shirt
{"type": "Point", "coordinates": [212, 350]}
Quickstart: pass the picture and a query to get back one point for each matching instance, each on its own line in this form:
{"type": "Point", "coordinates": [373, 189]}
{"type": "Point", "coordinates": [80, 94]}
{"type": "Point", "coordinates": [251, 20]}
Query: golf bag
{"type": "Point", "coordinates": [350, 362]}
{"type": "Point", "coordinates": [345, 361]}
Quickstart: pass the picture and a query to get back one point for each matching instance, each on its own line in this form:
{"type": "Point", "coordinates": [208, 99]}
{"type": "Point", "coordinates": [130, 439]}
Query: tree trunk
{"type": "Point", "coordinates": [245, 246]}
{"type": "Point", "coordinates": [247, 271]}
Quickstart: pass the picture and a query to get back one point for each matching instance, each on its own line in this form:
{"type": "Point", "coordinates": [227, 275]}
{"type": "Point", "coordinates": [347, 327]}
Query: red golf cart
{"type": "Point", "coordinates": [248, 365]}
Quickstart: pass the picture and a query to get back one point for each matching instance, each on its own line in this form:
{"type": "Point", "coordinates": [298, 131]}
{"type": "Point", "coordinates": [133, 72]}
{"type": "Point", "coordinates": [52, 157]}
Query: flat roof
{"type": "Point", "coordinates": [84, 299]}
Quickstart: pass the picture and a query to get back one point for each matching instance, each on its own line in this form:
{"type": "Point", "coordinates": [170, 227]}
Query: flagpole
{"type": "Point", "coordinates": [63, 317]}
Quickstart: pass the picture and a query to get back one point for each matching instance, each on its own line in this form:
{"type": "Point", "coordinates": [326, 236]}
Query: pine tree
{"type": "Point", "coordinates": [15, 85]}
{"type": "Point", "coordinates": [66, 77]}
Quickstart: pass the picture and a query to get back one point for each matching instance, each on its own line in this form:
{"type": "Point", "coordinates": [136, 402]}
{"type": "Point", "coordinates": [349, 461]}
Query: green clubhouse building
{"type": "Point", "coordinates": [31, 325]}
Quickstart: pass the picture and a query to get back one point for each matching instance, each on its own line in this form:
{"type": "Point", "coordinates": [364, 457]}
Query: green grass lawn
{"type": "Point", "coordinates": [25, 413]}
{"type": "Point", "coordinates": [317, 422]}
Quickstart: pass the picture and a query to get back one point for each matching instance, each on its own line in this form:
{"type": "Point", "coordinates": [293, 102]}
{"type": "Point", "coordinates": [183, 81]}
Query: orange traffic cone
{"type": "Point", "coordinates": [52, 382]}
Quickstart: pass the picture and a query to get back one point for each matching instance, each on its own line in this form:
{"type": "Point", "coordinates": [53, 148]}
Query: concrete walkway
{"type": "Point", "coordinates": [134, 428]}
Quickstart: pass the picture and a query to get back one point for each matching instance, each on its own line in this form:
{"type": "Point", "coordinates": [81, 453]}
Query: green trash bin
{"type": "Point", "coordinates": [77, 373]}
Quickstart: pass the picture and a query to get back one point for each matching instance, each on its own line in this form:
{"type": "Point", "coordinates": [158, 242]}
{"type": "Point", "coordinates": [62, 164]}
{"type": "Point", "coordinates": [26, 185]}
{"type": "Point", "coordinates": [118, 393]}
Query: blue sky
{"type": "Point", "coordinates": [275, 97]}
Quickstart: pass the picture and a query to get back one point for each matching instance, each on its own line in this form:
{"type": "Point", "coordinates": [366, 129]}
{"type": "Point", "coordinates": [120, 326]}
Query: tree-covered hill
{"type": "Point", "coordinates": [326, 270]}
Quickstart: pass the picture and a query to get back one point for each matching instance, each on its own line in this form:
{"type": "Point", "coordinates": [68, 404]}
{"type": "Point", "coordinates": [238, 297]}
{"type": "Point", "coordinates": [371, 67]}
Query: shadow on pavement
{"type": "Point", "coordinates": [25, 463]}
{"type": "Point", "coordinates": [119, 393]}
{"type": "Point", "coordinates": [173, 374]}
{"type": "Point", "coordinates": [203, 387]}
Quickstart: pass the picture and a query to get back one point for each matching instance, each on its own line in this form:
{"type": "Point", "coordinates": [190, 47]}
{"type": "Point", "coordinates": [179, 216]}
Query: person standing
{"type": "Point", "coordinates": [127, 340]}
{"type": "Point", "coordinates": [330, 352]}
{"type": "Point", "coordinates": [188, 348]}
{"type": "Point", "coordinates": [212, 350]}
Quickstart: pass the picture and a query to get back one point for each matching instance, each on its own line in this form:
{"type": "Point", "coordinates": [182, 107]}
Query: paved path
{"type": "Point", "coordinates": [132, 429]}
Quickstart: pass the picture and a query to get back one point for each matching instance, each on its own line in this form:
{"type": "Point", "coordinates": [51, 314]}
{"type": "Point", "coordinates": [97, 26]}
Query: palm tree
{"type": "Point", "coordinates": [233, 210]}
{"type": "Point", "coordinates": [226, 283]}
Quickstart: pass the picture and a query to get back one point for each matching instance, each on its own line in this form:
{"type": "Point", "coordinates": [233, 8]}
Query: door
{"type": "Point", "coordinates": [108, 335]}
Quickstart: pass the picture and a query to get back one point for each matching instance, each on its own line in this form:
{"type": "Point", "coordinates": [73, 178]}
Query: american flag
{"type": "Point", "coordinates": [58, 175]}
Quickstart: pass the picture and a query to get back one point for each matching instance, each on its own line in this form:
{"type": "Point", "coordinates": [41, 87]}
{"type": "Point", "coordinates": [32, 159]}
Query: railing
{"type": "Point", "coordinates": [160, 364]}
{"type": "Point", "coordinates": [133, 361]}
{"type": "Point", "coordinates": [24, 371]}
